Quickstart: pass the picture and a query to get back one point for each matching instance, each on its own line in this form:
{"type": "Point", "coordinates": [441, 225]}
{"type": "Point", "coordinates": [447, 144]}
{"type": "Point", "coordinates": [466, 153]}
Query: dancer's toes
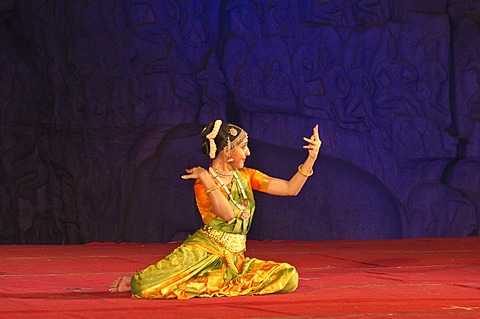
{"type": "Point", "coordinates": [120, 284]}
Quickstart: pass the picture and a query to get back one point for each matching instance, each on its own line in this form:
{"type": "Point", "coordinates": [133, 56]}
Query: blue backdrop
{"type": "Point", "coordinates": [102, 103]}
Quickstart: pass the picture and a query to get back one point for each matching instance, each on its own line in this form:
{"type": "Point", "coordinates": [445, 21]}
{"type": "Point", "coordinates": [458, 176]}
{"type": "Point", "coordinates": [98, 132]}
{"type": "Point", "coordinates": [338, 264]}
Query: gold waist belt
{"type": "Point", "coordinates": [235, 243]}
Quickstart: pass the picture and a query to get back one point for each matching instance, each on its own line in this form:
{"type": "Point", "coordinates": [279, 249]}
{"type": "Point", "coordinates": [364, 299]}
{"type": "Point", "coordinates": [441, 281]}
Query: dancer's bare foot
{"type": "Point", "coordinates": [121, 284]}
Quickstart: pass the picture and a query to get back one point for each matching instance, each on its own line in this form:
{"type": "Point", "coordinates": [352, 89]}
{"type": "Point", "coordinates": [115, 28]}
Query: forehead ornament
{"type": "Point", "coordinates": [233, 131]}
{"type": "Point", "coordinates": [242, 136]}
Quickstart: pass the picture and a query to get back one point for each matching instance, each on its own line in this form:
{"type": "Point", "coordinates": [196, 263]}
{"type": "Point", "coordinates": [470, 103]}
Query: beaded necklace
{"type": "Point", "coordinates": [222, 173]}
{"type": "Point", "coordinates": [244, 204]}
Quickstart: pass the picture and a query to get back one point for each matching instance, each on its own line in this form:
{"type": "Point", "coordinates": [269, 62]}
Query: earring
{"type": "Point", "coordinates": [229, 159]}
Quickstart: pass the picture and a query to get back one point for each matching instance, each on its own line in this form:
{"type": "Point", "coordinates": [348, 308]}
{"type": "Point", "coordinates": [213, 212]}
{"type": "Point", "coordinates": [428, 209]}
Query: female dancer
{"type": "Point", "coordinates": [211, 262]}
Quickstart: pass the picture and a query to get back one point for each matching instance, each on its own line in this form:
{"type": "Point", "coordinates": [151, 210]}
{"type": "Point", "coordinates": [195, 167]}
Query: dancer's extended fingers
{"type": "Point", "coordinates": [308, 140]}
{"type": "Point", "coordinates": [312, 140]}
{"type": "Point", "coordinates": [315, 132]}
{"type": "Point", "coordinates": [190, 173]}
{"type": "Point", "coordinates": [314, 137]}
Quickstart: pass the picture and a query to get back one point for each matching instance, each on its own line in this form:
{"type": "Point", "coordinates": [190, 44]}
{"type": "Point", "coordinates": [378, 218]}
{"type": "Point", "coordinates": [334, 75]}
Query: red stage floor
{"type": "Point", "coordinates": [410, 278]}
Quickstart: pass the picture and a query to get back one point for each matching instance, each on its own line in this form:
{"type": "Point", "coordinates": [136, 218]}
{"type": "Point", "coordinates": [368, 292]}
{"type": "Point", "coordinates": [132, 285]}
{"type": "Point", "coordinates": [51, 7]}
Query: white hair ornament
{"type": "Point", "coordinates": [211, 138]}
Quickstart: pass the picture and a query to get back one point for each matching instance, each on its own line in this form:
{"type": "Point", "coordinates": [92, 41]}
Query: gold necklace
{"type": "Point", "coordinates": [222, 173]}
{"type": "Point", "coordinates": [243, 206]}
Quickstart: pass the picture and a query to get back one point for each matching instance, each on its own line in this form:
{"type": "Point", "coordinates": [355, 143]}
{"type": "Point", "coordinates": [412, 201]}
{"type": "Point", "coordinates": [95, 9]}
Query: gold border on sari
{"type": "Point", "coordinates": [235, 243]}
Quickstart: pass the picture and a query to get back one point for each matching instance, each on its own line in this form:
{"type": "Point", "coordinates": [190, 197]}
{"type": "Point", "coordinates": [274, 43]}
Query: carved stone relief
{"type": "Point", "coordinates": [91, 90]}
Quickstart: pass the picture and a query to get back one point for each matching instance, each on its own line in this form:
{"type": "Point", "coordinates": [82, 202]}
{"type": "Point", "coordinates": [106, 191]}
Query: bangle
{"type": "Point", "coordinates": [303, 173]}
{"type": "Point", "coordinates": [211, 189]}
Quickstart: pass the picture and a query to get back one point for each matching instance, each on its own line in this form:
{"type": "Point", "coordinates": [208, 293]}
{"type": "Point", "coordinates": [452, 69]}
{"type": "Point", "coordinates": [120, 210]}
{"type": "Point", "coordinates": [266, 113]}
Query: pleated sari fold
{"type": "Point", "coordinates": [203, 266]}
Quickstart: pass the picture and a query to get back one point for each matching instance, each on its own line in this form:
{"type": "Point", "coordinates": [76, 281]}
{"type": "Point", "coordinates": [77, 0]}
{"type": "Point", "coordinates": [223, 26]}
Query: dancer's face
{"type": "Point", "coordinates": [239, 154]}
